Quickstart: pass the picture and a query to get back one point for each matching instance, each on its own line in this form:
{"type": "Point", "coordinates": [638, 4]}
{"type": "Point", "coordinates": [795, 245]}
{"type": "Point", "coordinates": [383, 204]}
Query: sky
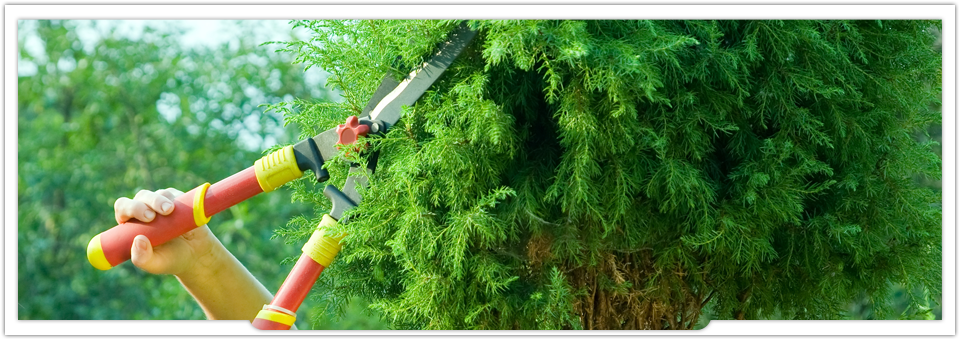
{"type": "Point", "coordinates": [197, 34]}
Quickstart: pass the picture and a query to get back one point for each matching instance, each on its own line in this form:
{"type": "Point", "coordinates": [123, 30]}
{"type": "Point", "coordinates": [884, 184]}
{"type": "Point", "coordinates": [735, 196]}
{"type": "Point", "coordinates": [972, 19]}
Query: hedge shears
{"type": "Point", "coordinates": [195, 207]}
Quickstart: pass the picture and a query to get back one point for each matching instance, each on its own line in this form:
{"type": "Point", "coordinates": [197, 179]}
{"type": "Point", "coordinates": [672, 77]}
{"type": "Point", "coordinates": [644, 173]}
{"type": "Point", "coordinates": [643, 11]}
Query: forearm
{"type": "Point", "coordinates": [223, 287]}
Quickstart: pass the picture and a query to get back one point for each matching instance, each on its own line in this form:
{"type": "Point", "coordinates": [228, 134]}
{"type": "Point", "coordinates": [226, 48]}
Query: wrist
{"type": "Point", "coordinates": [207, 257]}
{"type": "Point", "coordinates": [222, 286]}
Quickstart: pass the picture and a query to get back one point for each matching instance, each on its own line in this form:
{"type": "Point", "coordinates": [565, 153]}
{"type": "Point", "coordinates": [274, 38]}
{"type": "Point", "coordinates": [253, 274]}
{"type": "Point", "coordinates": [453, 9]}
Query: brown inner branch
{"type": "Point", "coordinates": [667, 303]}
{"type": "Point", "coordinates": [655, 299]}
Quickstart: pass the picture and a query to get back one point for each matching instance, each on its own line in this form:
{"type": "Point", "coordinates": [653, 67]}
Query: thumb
{"type": "Point", "coordinates": [142, 256]}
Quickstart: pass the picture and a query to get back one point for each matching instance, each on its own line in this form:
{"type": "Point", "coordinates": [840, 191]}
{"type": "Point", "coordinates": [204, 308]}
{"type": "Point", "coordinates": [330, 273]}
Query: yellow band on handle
{"type": "Point", "coordinates": [199, 217]}
{"type": "Point", "coordinates": [276, 316]}
{"type": "Point", "coordinates": [321, 247]}
{"type": "Point", "coordinates": [277, 168]}
{"type": "Point", "coordinates": [95, 254]}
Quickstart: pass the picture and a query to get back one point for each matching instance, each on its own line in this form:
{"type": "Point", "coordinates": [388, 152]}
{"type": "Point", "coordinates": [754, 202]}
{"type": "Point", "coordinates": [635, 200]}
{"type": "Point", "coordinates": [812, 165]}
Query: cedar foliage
{"type": "Point", "coordinates": [635, 174]}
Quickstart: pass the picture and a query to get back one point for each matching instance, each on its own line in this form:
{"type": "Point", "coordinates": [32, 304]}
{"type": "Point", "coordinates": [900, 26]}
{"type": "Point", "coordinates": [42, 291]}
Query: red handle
{"type": "Point", "coordinates": [112, 246]}
{"type": "Point", "coordinates": [318, 253]}
{"type": "Point", "coordinates": [297, 284]}
{"type": "Point", "coordinates": [290, 296]}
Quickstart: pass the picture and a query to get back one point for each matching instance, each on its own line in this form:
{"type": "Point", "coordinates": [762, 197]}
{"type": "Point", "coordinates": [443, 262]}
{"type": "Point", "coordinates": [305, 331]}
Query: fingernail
{"type": "Point", "coordinates": [149, 214]}
{"type": "Point", "coordinates": [143, 245]}
{"type": "Point", "coordinates": [167, 206]}
{"type": "Point", "coordinates": [138, 245]}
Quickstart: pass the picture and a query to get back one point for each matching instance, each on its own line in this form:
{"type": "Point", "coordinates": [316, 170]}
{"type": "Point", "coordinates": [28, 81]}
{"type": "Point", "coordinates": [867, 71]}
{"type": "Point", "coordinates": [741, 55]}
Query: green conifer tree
{"type": "Point", "coordinates": [636, 174]}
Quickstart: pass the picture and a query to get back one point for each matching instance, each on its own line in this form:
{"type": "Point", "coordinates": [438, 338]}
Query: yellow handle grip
{"type": "Point", "coordinates": [321, 247]}
{"type": "Point", "coordinates": [277, 168]}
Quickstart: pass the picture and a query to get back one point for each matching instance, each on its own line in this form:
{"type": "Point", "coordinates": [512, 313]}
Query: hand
{"type": "Point", "coordinates": [217, 280]}
{"type": "Point", "coordinates": [177, 256]}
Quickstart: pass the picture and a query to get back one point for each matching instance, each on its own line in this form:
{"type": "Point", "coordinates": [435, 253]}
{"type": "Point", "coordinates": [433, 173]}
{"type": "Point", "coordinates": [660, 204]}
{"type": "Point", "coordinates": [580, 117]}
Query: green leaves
{"type": "Point", "coordinates": [556, 304]}
{"type": "Point", "coordinates": [634, 174]}
{"type": "Point", "coordinates": [679, 187]}
{"type": "Point", "coordinates": [104, 115]}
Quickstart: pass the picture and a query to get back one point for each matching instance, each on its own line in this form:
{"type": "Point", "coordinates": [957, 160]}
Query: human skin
{"type": "Point", "coordinates": [208, 271]}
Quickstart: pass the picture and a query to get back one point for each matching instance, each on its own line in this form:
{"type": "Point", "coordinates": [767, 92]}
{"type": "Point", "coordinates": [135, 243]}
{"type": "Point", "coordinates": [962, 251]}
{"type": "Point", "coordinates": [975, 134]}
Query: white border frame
{"type": "Point", "coordinates": [947, 13]}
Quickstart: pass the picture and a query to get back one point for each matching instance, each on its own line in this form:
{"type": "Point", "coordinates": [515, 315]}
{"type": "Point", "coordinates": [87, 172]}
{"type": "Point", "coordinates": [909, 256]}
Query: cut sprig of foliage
{"type": "Point", "coordinates": [621, 174]}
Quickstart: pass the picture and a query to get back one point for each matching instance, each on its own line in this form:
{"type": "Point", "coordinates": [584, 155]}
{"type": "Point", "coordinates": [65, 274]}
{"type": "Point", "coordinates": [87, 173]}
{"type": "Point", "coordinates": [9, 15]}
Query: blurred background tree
{"type": "Point", "coordinates": [103, 117]}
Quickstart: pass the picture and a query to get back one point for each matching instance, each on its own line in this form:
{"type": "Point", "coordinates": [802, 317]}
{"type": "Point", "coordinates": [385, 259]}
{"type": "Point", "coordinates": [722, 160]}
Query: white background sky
{"type": "Point", "coordinates": [968, 30]}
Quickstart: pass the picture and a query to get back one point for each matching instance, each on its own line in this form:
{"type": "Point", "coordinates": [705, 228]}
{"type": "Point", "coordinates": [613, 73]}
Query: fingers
{"type": "Point", "coordinates": [156, 200]}
{"type": "Point", "coordinates": [146, 205]}
{"type": "Point", "coordinates": [127, 208]}
{"type": "Point", "coordinates": [167, 258]}
{"type": "Point", "coordinates": [143, 257]}
{"type": "Point", "coordinates": [170, 193]}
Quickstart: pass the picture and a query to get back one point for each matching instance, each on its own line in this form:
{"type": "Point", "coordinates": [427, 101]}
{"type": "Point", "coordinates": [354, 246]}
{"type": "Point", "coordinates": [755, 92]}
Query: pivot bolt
{"type": "Point", "coordinates": [349, 131]}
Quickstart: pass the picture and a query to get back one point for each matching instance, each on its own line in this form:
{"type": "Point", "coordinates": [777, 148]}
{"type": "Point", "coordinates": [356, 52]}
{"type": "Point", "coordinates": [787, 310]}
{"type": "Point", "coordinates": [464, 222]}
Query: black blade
{"type": "Point", "coordinates": [341, 203]}
{"type": "Point", "coordinates": [349, 197]}
{"type": "Point", "coordinates": [356, 176]}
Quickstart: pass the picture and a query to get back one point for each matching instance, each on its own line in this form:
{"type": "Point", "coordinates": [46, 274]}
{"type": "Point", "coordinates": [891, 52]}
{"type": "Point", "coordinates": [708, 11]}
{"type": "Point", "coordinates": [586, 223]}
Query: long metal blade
{"type": "Point", "coordinates": [389, 108]}
{"type": "Point", "coordinates": [388, 84]}
{"type": "Point", "coordinates": [386, 106]}
{"type": "Point", "coordinates": [386, 103]}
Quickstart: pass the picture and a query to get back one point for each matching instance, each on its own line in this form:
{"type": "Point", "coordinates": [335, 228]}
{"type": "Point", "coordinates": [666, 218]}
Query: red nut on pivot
{"type": "Point", "coordinates": [349, 131]}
